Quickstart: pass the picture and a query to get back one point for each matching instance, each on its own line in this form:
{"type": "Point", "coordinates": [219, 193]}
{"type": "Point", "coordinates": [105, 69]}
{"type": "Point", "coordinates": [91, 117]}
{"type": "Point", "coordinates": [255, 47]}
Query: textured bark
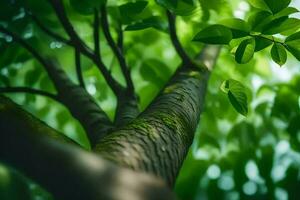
{"type": "Point", "coordinates": [64, 169]}
{"type": "Point", "coordinates": [80, 104]}
{"type": "Point", "coordinates": [127, 109]}
{"type": "Point", "coordinates": [157, 141]}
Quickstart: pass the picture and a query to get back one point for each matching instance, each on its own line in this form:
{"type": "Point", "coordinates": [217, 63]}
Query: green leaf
{"type": "Point", "coordinates": [191, 2]}
{"type": "Point", "coordinates": [277, 5]}
{"type": "Point", "coordinates": [270, 5]}
{"type": "Point", "coordinates": [239, 27]}
{"type": "Point", "coordinates": [179, 7]}
{"type": "Point", "coordinates": [293, 44]}
{"type": "Point", "coordinates": [293, 37]}
{"type": "Point", "coordinates": [236, 95]}
{"type": "Point", "coordinates": [214, 34]}
{"type": "Point", "coordinates": [294, 50]}
{"type": "Point", "coordinates": [260, 4]}
{"type": "Point", "coordinates": [278, 54]}
{"type": "Point", "coordinates": [261, 43]}
{"type": "Point", "coordinates": [245, 51]}
{"type": "Point", "coordinates": [281, 25]}
{"type": "Point", "coordinates": [129, 11]}
{"type": "Point", "coordinates": [256, 19]}
{"type": "Point", "coordinates": [169, 4]}
{"type": "Point", "coordinates": [285, 12]}
{"type": "Point", "coordinates": [151, 22]}
{"type": "Point", "coordinates": [86, 7]}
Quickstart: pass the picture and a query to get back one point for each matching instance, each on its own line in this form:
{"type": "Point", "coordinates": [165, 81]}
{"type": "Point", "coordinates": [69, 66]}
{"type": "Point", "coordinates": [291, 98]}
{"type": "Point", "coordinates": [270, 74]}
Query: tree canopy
{"type": "Point", "coordinates": [248, 141]}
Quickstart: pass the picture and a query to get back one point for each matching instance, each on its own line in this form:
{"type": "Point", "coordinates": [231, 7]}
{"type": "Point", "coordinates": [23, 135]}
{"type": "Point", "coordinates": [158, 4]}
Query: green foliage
{"type": "Point", "coordinates": [215, 34]}
{"type": "Point", "coordinates": [86, 7]}
{"type": "Point", "coordinates": [129, 11]}
{"type": "Point", "coordinates": [278, 54]}
{"type": "Point", "coordinates": [293, 44]}
{"type": "Point", "coordinates": [262, 26]}
{"type": "Point", "coordinates": [239, 27]}
{"type": "Point", "coordinates": [236, 95]}
{"type": "Point", "coordinates": [245, 51]}
{"type": "Point", "coordinates": [179, 7]}
{"type": "Point", "coordinates": [270, 5]}
{"type": "Point", "coordinates": [151, 22]}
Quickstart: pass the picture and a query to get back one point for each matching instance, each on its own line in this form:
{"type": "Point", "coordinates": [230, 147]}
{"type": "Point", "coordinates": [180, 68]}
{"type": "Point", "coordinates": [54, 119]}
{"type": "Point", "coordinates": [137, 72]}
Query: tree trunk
{"type": "Point", "coordinates": [156, 142]}
{"type": "Point", "coordinates": [65, 169]}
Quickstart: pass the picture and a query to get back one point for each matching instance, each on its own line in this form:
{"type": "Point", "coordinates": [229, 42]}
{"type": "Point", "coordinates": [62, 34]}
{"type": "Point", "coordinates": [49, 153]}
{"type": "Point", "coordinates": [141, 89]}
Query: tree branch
{"type": "Point", "coordinates": [28, 90]}
{"type": "Point", "coordinates": [80, 45]}
{"type": "Point", "coordinates": [80, 104]}
{"type": "Point", "coordinates": [65, 169]}
{"type": "Point", "coordinates": [75, 39]}
{"type": "Point", "coordinates": [78, 69]}
{"type": "Point", "coordinates": [175, 41]}
{"type": "Point", "coordinates": [96, 34]}
{"type": "Point", "coordinates": [117, 51]}
{"type": "Point", "coordinates": [29, 48]}
{"type": "Point", "coordinates": [49, 32]}
{"type": "Point", "coordinates": [120, 39]}
{"type": "Point", "coordinates": [158, 140]}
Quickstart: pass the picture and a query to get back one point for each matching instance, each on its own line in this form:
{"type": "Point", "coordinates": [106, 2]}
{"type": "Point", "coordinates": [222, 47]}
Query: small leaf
{"type": "Point", "coordinates": [261, 43]}
{"type": "Point", "coordinates": [129, 11]}
{"type": "Point", "coordinates": [260, 4]}
{"type": "Point", "coordinates": [277, 5]}
{"type": "Point", "coordinates": [86, 7]}
{"type": "Point", "coordinates": [256, 19]}
{"type": "Point", "coordinates": [169, 4]}
{"type": "Point", "coordinates": [285, 12]}
{"type": "Point", "coordinates": [151, 22]}
{"type": "Point", "coordinates": [191, 2]}
{"type": "Point", "coordinates": [293, 44]}
{"type": "Point", "coordinates": [263, 20]}
{"type": "Point", "coordinates": [214, 34]}
{"type": "Point", "coordinates": [239, 27]}
{"type": "Point", "coordinates": [281, 25]}
{"type": "Point", "coordinates": [293, 37]}
{"type": "Point", "coordinates": [179, 7]}
{"type": "Point", "coordinates": [278, 54]}
{"type": "Point", "coordinates": [236, 95]}
{"type": "Point", "coordinates": [245, 51]}
{"type": "Point", "coordinates": [294, 51]}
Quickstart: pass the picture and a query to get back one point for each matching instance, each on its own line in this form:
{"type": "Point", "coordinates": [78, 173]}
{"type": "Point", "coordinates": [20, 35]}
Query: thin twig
{"type": "Point", "coordinates": [49, 32]}
{"type": "Point", "coordinates": [75, 39]}
{"type": "Point", "coordinates": [176, 43]}
{"type": "Point", "coordinates": [115, 49]}
{"type": "Point", "coordinates": [120, 39]}
{"type": "Point", "coordinates": [96, 33]}
{"type": "Point", "coordinates": [29, 48]}
{"type": "Point", "coordinates": [78, 68]}
{"type": "Point", "coordinates": [28, 90]}
{"type": "Point", "coordinates": [81, 46]}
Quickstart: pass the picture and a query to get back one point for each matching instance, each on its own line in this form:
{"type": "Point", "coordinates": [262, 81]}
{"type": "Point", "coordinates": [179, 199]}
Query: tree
{"type": "Point", "coordinates": [133, 155]}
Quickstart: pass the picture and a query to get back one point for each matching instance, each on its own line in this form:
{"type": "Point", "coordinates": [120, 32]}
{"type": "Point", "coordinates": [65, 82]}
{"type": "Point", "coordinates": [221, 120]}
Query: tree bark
{"type": "Point", "coordinates": [127, 109]}
{"type": "Point", "coordinates": [63, 168]}
{"type": "Point", "coordinates": [157, 141]}
{"type": "Point", "coordinates": [81, 105]}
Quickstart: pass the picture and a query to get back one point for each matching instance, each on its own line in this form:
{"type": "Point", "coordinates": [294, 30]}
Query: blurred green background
{"type": "Point", "coordinates": [232, 157]}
